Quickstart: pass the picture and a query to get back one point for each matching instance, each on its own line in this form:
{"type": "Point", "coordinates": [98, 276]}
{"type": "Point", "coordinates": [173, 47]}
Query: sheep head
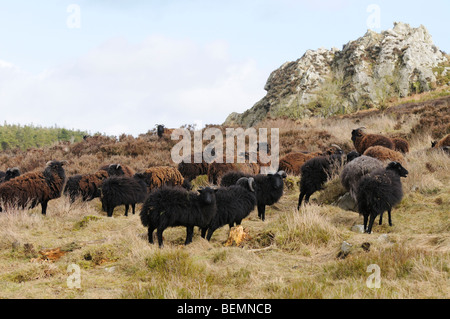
{"type": "Point", "coordinates": [358, 134]}
{"type": "Point", "coordinates": [397, 167]}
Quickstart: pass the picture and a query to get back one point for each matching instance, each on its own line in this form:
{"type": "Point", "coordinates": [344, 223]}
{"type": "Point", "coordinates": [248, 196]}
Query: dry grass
{"type": "Point", "coordinates": [293, 254]}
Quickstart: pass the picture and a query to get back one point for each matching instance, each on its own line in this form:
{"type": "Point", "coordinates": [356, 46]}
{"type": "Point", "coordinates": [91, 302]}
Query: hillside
{"type": "Point", "coordinates": [293, 254]}
{"type": "Point", "coordinates": [367, 72]}
{"type": "Point", "coordinates": [29, 136]}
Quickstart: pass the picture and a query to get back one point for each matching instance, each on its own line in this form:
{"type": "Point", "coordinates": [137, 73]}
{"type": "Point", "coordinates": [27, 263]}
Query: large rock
{"type": "Point", "coordinates": [364, 73]}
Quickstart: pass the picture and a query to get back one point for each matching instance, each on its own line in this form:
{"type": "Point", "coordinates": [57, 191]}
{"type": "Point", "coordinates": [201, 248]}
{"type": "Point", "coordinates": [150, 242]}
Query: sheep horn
{"type": "Point", "coordinates": [250, 183]}
{"type": "Point", "coordinates": [337, 146]}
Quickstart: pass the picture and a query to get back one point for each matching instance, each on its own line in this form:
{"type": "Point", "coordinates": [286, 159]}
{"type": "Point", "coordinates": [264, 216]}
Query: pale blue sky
{"type": "Point", "coordinates": [133, 64]}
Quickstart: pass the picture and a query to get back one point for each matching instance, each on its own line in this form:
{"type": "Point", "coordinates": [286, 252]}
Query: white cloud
{"type": "Point", "coordinates": [122, 87]}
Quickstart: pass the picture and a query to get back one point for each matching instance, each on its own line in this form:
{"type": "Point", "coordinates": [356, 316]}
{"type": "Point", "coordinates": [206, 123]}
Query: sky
{"type": "Point", "coordinates": [121, 66]}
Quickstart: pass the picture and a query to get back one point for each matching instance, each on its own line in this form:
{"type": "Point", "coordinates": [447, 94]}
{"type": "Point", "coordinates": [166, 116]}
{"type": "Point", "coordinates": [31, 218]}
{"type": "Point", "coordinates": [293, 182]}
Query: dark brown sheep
{"type": "Point", "coordinates": [86, 186]}
{"type": "Point", "coordinates": [33, 188]}
{"type": "Point", "coordinates": [156, 177]}
{"type": "Point", "coordinates": [191, 170]}
{"type": "Point", "coordinates": [217, 170]}
{"type": "Point", "coordinates": [401, 145]}
{"type": "Point", "coordinates": [363, 141]}
{"type": "Point", "coordinates": [292, 162]}
{"type": "Point", "coordinates": [384, 154]}
{"type": "Point", "coordinates": [118, 170]}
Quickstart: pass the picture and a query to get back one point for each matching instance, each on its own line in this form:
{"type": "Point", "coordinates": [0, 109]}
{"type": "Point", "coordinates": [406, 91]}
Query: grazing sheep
{"type": "Point", "coordinates": [380, 191]}
{"type": "Point", "coordinates": [400, 145]}
{"type": "Point", "coordinates": [9, 174]}
{"type": "Point", "coordinates": [35, 187]}
{"type": "Point", "coordinates": [292, 162]}
{"type": "Point", "coordinates": [363, 141]}
{"type": "Point", "coordinates": [234, 203]}
{"type": "Point", "coordinates": [384, 154]}
{"type": "Point", "coordinates": [175, 206]}
{"type": "Point", "coordinates": [191, 170]}
{"type": "Point", "coordinates": [122, 190]}
{"type": "Point", "coordinates": [315, 172]}
{"type": "Point", "coordinates": [87, 186]}
{"type": "Point", "coordinates": [156, 177]}
{"type": "Point", "coordinates": [355, 169]}
{"type": "Point", "coordinates": [118, 170]}
{"type": "Point", "coordinates": [443, 142]}
{"type": "Point", "coordinates": [217, 170]}
{"type": "Point", "coordinates": [232, 177]}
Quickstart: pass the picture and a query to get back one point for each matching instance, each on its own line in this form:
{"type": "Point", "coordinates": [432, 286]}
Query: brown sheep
{"type": "Point", "coordinates": [445, 141]}
{"type": "Point", "coordinates": [292, 162]}
{"type": "Point", "coordinates": [156, 177]}
{"type": "Point", "coordinates": [87, 186]}
{"type": "Point", "coordinates": [385, 154]}
{"type": "Point", "coordinates": [33, 188]}
{"type": "Point", "coordinates": [217, 170]}
{"type": "Point", "coordinates": [191, 170]}
{"type": "Point", "coordinates": [118, 170]}
{"type": "Point", "coordinates": [400, 145]}
{"type": "Point", "coordinates": [363, 141]}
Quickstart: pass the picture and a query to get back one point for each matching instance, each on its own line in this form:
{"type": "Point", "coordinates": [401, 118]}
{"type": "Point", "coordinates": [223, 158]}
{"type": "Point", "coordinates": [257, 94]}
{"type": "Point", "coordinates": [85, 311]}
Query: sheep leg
{"type": "Point", "coordinates": [44, 207]}
{"type": "Point", "coordinates": [390, 218]}
{"type": "Point", "coordinates": [151, 229]}
{"type": "Point", "coordinates": [381, 219]}
{"type": "Point", "coordinates": [133, 207]}
{"type": "Point", "coordinates": [159, 234]}
{"type": "Point", "coordinates": [262, 211]}
{"type": "Point", "coordinates": [189, 234]}
{"type": "Point", "coordinates": [203, 232]}
{"type": "Point", "coordinates": [109, 210]}
{"type": "Point", "coordinates": [366, 218]}
{"type": "Point", "coordinates": [210, 232]}
{"type": "Point", "coordinates": [300, 199]}
{"type": "Point", "coordinates": [126, 209]}
{"type": "Point", "coordinates": [372, 219]}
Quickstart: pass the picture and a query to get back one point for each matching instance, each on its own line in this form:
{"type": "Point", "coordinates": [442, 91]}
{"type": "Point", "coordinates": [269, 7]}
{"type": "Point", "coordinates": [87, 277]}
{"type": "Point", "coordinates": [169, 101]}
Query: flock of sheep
{"type": "Point", "coordinates": [168, 199]}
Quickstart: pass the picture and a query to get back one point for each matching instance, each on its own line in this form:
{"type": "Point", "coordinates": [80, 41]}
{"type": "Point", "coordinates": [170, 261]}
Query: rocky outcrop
{"type": "Point", "coordinates": [365, 73]}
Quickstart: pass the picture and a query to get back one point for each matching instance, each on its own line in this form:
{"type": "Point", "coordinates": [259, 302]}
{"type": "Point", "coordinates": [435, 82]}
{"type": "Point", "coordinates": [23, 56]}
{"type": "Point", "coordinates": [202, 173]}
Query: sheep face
{"type": "Point", "coordinates": [357, 134]}
{"type": "Point", "coordinates": [55, 166]}
{"type": "Point", "coordinates": [207, 195]}
{"type": "Point", "coordinates": [115, 170]}
{"type": "Point", "coordinates": [401, 171]}
{"type": "Point", "coordinates": [11, 173]}
{"type": "Point", "coordinates": [352, 155]}
{"type": "Point", "coordinates": [276, 180]}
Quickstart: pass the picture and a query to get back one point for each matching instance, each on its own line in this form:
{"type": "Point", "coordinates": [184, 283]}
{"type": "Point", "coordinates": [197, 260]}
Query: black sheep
{"type": "Point", "coordinates": [10, 173]}
{"type": "Point", "coordinates": [160, 130]}
{"type": "Point", "coordinates": [122, 190]}
{"type": "Point", "coordinates": [268, 188]}
{"type": "Point", "coordinates": [232, 177]}
{"type": "Point", "coordinates": [315, 172]}
{"type": "Point", "coordinates": [234, 203]}
{"type": "Point", "coordinates": [175, 206]}
{"type": "Point", "coordinates": [380, 191]}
